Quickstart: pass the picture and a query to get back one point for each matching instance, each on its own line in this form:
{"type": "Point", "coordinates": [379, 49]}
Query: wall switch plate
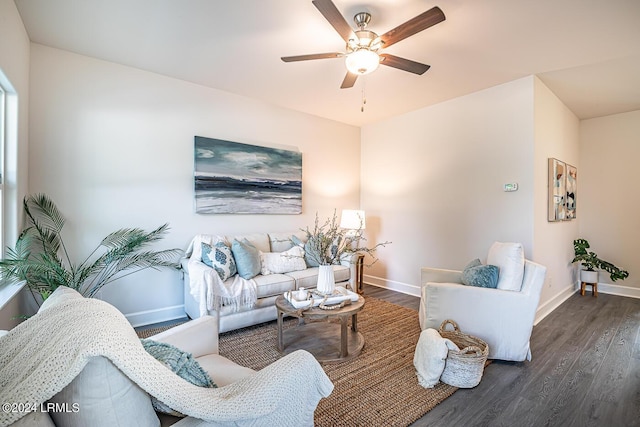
{"type": "Point", "coordinates": [512, 186]}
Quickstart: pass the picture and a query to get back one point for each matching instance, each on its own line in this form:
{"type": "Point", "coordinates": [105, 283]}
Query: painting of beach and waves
{"type": "Point", "coordinates": [235, 178]}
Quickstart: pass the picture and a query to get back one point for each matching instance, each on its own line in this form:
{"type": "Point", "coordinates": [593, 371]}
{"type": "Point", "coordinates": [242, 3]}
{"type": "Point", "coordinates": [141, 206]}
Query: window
{"type": "Point", "coordinates": [8, 199]}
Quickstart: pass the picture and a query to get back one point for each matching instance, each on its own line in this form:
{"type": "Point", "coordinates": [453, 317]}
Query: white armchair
{"type": "Point", "coordinates": [502, 318]}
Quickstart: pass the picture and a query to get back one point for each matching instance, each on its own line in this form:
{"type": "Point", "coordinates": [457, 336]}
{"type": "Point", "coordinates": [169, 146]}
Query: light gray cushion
{"type": "Point", "coordinates": [247, 258]}
{"type": "Point", "coordinates": [483, 276]}
{"type": "Point", "coordinates": [106, 397]}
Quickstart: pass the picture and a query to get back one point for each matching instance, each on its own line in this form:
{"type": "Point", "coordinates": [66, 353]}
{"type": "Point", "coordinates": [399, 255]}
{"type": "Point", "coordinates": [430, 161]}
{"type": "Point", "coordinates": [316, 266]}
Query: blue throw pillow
{"type": "Point", "coordinates": [220, 258]}
{"type": "Point", "coordinates": [307, 259]}
{"type": "Point", "coordinates": [247, 258]}
{"type": "Point", "coordinates": [477, 274]}
{"type": "Point", "coordinates": [180, 362]}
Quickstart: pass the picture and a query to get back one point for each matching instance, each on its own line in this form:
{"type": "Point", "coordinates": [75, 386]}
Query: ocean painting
{"type": "Point", "coordinates": [235, 178]}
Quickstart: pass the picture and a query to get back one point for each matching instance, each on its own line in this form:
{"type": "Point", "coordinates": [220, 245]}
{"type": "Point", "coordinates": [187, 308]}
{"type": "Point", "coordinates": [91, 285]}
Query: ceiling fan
{"type": "Point", "coordinates": [363, 46]}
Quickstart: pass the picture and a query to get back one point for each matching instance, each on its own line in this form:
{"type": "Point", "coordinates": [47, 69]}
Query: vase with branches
{"type": "Point", "coordinates": [328, 244]}
{"type": "Point", "coordinates": [41, 259]}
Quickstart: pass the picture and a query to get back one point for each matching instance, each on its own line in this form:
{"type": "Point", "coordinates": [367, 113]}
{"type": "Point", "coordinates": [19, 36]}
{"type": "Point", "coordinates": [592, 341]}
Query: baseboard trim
{"type": "Point", "coordinates": [150, 317]}
{"type": "Point", "coordinates": [404, 288]}
{"type": "Point", "coordinates": [623, 291]}
{"type": "Point", "coordinates": [547, 308]}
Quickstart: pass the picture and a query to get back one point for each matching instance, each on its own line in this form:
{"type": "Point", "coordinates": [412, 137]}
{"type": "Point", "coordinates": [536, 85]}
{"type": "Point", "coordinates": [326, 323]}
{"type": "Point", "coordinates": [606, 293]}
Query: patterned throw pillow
{"type": "Point", "coordinates": [483, 276]}
{"type": "Point", "coordinates": [220, 258]}
{"type": "Point", "coordinates": [180, 362]}
{"type": "Point", "coordinates": [310, 261]}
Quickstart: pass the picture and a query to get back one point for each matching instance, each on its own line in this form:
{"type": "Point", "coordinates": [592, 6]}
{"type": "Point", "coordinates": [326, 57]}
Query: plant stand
{"type": "Point", "coordinates": [594, 288]}
{"type": "Point", "coordinates": [588, 277]}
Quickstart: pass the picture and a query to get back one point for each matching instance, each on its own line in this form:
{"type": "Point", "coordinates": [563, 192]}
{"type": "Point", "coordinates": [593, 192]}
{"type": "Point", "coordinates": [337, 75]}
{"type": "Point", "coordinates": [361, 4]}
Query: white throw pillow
{"type": "Point", "coordinates": [283, 262]}
{"type": "Point", "coordinates": [509, 257]}
{"type": "Point", "coordinates": [429, 358]}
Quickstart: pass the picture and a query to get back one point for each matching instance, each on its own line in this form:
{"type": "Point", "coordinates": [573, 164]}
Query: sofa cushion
{"type": "Point", "coordinates": [220, 258]}
{"type": "Point", "coordinates": [247, 258]}
{"type": "Point", "coordinates": [281, 242]}
{"type": "Point", "coordinates": [509, 257]}
{"type": "Point", "coordinates": [483, 276]}
{"type": "Point", "coordinates": [273, 284]}
{"type": "Point", "coordinates": [259, 240]}
{"type": "Point", "coordinates": [105, 397]}
{"type": "Point", "coordinates": [282, 262]}
{"type": "Point", "coordinates": [222, 370]}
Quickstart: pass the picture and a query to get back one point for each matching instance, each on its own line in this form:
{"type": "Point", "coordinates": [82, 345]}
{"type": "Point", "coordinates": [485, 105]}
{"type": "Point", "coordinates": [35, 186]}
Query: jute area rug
{"type": "Point", "coordinates": [377, 388]}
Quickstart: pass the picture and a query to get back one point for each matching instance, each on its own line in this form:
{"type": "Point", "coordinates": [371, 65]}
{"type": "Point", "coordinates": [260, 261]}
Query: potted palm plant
{"type": "Point", "coordinates": [40, 257]}
{"type": "Point", "coordinates": [329, 244]}
{"type": "Point", "coordinates": [591, 264]}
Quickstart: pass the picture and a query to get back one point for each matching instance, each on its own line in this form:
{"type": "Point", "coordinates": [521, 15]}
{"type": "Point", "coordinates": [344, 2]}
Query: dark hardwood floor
{"type": "Point", "coordinates": [585, 371]}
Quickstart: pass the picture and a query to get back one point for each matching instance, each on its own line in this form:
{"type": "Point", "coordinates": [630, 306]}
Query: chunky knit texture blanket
{"type": "Point", "coordinates": [39, 357]}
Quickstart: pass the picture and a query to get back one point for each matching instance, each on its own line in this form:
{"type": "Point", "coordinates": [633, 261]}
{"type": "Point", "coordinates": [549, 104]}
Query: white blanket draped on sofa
{"type": "Point", "coordinates": [39, 357]}
{"type": "Point", "coordinates": [206, 286]}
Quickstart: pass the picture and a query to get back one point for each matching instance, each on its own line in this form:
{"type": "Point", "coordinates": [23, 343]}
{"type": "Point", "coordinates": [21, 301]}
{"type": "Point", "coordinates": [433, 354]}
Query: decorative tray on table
{"type": "Point", "coordinates": [315, 298]}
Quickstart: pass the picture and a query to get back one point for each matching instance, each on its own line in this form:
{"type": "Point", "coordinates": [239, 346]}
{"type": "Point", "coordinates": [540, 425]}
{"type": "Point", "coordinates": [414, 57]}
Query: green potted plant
{"type": "Point", "coordinates": [591, 264]}
{"type": "Point", "coordinates": [329, 244]}
{"type": "Point", "coordinates": [40, 257]}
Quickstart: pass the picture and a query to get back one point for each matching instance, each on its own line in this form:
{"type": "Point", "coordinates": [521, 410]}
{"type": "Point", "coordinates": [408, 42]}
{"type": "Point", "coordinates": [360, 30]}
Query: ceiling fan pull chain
{"type": "Point", "coordinates": [364, 97]}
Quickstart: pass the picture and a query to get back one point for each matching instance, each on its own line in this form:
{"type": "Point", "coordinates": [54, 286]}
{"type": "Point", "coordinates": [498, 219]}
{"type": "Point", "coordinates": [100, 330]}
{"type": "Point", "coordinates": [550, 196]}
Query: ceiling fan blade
{"type": "Point", "coordinates": [403, 64]}
{"type": "Point", "coordinates": [312, 56]}
{"type": "Point", "coordinates": [421, 22]}
{"type": "Point", "coordinates": [335, 18]}
{"type": "Point", "coordinates": [349, 80]}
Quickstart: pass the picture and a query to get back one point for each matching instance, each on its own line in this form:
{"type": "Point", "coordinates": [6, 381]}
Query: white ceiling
{"type": "Point", "coordinates": [586, 51]}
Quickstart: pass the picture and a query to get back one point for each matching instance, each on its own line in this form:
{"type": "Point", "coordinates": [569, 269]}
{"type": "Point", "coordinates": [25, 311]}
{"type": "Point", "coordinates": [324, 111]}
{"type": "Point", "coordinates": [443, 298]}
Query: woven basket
{"type": "Point", "coordinates": [463, 368]}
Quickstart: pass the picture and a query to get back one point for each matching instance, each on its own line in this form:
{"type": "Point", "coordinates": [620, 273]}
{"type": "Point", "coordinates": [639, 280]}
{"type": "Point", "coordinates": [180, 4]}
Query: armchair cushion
{"type": "Point", "coordinates": [509, 257]}
{"type": "Point", "coordinates": [104, 397]}
{"type": "Point", "coordinates": [476, 274]}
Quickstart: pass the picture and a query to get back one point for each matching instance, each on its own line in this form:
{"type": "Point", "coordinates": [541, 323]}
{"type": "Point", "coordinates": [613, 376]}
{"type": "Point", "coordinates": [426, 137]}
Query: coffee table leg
{"type": "Point", "coordinates": [344, 350]}
{"type": "Point", "coordinates": [354, 323]}
{"type": "Point", "coordinates": [280, 338]}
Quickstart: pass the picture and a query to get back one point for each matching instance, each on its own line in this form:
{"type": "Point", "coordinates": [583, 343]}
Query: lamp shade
{"type": "Point", "coordinates": [362, 61]}
{"type": "Point", "coordinates": [352, 219]}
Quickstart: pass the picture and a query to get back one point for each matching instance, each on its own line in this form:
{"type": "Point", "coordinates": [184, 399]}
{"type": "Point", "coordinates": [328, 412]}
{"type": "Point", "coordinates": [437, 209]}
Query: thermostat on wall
{"type": "Point", "coordinates": [513, 186]}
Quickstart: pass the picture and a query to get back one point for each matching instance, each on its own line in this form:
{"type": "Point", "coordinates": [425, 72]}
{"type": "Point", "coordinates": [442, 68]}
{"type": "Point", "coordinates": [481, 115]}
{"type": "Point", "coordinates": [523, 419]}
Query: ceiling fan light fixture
{"type": "Point", "coordinates": [362, 61]}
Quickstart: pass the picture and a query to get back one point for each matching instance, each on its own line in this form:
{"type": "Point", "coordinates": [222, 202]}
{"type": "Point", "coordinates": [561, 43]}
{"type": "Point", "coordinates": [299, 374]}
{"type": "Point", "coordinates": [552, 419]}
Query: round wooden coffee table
{"type": "Point", "coordinates": [328, 340]}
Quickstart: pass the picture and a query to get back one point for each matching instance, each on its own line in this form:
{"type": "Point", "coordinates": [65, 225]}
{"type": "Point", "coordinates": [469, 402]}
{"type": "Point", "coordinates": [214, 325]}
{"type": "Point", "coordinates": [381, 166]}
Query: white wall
{"type": "Point", "coordinates": [608, 198]}
{"type": "Point", "coordinates": [556, 135]}
{"type": "Point", "coordinates": [113, 147]}
{"type": "Point", "coordinates": [432, 182]}
{"type": "Point", "coordinates": [14, 65]}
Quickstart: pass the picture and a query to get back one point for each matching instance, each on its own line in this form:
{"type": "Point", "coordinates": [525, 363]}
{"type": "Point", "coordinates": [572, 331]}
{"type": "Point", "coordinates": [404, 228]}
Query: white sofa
{"type": "Point", "coordinates": [269, 287]}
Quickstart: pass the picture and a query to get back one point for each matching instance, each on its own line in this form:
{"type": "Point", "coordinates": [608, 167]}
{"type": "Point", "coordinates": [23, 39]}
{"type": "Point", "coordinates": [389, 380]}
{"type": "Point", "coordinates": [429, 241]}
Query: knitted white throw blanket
{"type": "Point", "coordinates": [39, 357]}
{"type": "Point", "coordinates": [206, 286]}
